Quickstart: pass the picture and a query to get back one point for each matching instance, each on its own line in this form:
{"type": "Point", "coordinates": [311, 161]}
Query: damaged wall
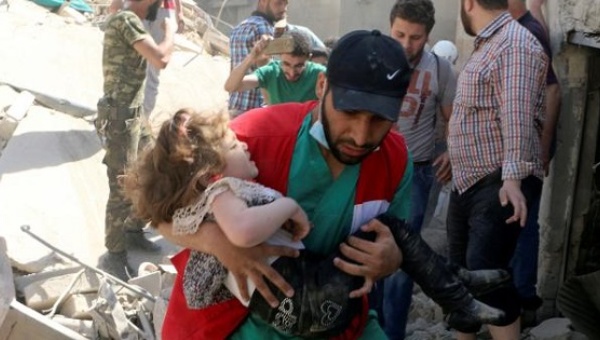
{"type": "Point", "coordinates": [564, 207]}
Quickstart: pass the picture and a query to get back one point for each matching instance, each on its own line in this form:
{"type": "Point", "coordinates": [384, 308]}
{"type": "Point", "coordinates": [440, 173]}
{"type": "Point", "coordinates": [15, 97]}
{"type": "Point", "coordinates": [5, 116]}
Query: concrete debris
{"type": "Point", "coordinates": [22, 281]}
{"type": "Point", "coordinates": [77, 305]}
{"type": "Point", "coordinates": [89, 301]}
{"type": "Point", "coordinates": [12, 113]}
{"type": "Point", "coordinates": [23, 322]}
{"type": "Point", "coordinates": [7, 288]}
{"type": "Point", "coordinates": [71, 14]}
{"type": "Point", "coordinates": [91, 305]}
{"type": "Point", "coordinates": [42, 294]}
{"type": "Point", "coordinates": [83, 327]}
{"type": "Point", "coordinates": [21, 105]}
{"type": "Point", "coordinates": [110, 315]}
{"type": "Point", "coordinates": [35, 264]}
{"type": "Point", "coordinates": [555, 329]}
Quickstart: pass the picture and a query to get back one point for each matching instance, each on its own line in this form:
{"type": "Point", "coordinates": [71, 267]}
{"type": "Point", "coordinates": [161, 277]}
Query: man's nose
{"type": "Point", "coordinates": [361, 131]}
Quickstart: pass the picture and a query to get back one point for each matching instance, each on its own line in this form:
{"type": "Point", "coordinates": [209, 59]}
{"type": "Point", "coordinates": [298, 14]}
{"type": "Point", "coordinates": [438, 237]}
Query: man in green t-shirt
{"type": "Point", "coordinates": [127, 49]}
{"type": "Point", "coordinates": [292, 78]}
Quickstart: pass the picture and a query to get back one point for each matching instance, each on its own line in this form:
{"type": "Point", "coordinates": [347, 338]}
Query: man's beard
{"type": "Point", "coordinates": [337, 154]}
{"type": "Point", "coordinates": [271, 15]}
{"type": "Point", "coordinates": [416, 58]}
{"type": "Point", "coordinates": [466, 21]}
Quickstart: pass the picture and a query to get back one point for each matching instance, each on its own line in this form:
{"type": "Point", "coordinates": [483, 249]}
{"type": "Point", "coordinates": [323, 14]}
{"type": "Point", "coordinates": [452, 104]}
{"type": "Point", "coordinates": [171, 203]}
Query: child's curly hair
{"type": "Point", "coordinates": [173, 172]}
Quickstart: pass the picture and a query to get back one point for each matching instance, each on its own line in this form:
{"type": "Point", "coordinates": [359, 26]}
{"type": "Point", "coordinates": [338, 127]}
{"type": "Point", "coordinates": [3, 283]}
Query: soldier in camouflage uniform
{"type": "Point", "coordinates": [127, 49]}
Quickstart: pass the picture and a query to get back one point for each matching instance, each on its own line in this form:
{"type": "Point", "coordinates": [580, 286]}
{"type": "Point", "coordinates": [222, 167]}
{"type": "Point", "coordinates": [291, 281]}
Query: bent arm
{"type": "Point", "coordinates": [248, 263]}
{"type": "Point", "coordinates": [179, 16]}
{"type": "Point", "coordinates": [238, 81]}
{"type": "Point", "coordinates": [207, 239]}
{"type": "Point", "coordinates": [446, 112]}
{"type": "Point", "coordinates": [249, 226]}
{"type": "Point", "coordinates": [535, 7]}
{"type": "Point", "coordinates": [157, 55]}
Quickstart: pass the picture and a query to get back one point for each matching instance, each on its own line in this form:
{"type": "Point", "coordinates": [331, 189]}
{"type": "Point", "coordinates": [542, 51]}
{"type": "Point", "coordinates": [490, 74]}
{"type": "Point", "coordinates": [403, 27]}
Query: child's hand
{"type": "Point", "coordinates": [298, 225]}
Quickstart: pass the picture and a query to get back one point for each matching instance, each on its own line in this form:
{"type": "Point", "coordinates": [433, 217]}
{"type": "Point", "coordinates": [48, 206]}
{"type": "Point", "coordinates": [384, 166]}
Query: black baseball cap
{"type": "Point", "coordinates": [368, 71]}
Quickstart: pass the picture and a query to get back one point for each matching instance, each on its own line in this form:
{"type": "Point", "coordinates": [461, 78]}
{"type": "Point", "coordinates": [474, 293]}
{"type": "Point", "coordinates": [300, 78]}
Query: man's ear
{"type": "Point", "coordinates": [468, 5]}
{"type": "Point", "coordinates": [321, 85]}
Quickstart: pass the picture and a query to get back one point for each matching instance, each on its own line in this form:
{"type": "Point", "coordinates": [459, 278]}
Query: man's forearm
{"type": "Point", "coordinates": [236, 77]}
{"type": "Point", "coordinates": [535, 7]}
{"type": "Point", "coordinates": [552, 110]}
{"type": "Point", "coordinates": [179, 16]}
{"type": "Point", "coordinates": [205, 239]}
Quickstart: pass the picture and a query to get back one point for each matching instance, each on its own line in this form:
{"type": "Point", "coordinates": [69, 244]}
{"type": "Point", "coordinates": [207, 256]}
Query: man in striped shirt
{"type": "Point", "coordinates": [494, 148]}
{"type": "Point", "coordinates": [242, 40]}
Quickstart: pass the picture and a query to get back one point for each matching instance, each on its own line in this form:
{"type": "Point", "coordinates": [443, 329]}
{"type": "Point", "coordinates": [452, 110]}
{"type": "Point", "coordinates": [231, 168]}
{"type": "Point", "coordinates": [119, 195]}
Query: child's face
{"type": "Point", "coordinates": [237, 159]}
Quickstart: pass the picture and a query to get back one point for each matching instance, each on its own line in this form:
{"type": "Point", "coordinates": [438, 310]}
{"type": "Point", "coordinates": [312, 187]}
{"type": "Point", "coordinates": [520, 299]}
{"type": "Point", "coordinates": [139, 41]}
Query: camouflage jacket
{"type": "Point", "coordinates": [124, 69]}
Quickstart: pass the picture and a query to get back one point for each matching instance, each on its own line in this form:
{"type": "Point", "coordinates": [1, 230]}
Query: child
{"type": "Point", "coordinates": [198, 171]}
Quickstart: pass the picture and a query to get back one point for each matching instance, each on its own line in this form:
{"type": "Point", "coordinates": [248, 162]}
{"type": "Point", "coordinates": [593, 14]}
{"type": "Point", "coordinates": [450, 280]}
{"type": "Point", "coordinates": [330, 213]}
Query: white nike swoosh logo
{"type": "Point", "coordinates": [391, 76]}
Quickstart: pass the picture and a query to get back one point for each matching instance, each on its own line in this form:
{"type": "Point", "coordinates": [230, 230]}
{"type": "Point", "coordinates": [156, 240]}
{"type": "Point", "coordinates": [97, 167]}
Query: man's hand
{"type": "Point", "coordinates": [251, 263]}
{"type": "Point", "coordinates": [374, 260]}
{"type": "Point", "coordinates": [180, 23]}
{"type": "Point", "coordinates": [243, 263]}
{"type": "Point", "coordinates": [444, 171]}
{"type": "Point", "coordinates": [257, 55]}
{"type": "Point", "coordinates": [511, 193]}
{"type": "Point", "coordinates": [546, 160]}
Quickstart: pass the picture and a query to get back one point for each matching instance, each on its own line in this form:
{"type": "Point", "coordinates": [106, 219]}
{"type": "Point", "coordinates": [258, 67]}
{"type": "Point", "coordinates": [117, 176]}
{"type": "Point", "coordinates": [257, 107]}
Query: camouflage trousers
{"type": "Point", "coordinates": [124, 134]}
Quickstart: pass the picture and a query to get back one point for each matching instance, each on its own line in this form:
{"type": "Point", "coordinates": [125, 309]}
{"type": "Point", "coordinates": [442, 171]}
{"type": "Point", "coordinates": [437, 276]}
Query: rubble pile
{"type": "Point", "coordinates": [84, 299]}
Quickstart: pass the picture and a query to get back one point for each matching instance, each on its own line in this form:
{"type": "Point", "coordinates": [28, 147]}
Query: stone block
{"type": "Point", "coordinates": [40, 295]}
{"type": "Point", "coordinates": [78, 305]}
{"type": "Point", "coordinates": [8, 125]}
{"type": "Point", "coordinates": [151, 282]}
{"type": "Point", "coordinates": [20, 106]}
{"type": "Point", "coordinates": [83, 327]}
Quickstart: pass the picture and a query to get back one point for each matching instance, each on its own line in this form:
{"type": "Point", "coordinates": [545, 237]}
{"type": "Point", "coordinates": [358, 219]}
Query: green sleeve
{"type": "Point", "coordinates": [129, 25]}
{"type": "Point", "coordinates": [265, 74]}
{"type": "Point", "coordinates": [400, 206]}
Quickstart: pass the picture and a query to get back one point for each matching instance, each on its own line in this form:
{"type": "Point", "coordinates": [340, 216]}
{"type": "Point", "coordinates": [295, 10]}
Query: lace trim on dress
{"type": "Point", "coordinates": [186, 220]}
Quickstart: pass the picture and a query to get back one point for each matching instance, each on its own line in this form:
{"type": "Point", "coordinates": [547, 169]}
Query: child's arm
{"type": "Point", "coordinates": [249, 226]}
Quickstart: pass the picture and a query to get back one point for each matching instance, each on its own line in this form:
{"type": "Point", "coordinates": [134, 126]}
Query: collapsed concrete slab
{"type": "Point", "coordinates": [41, 295]}
{"type": "Point", "coordinates": [52, 178]}
{"type": "Point", "coordinates": [24, 323]}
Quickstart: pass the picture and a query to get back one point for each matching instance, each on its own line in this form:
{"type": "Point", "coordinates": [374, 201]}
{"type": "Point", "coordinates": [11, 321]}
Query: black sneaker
{"type": "Point", "coordinates": [116, 264]}
{"type": "Point", "coordinates": [529, 312]}
{"type": "Point", "coordinates": [135, 239]}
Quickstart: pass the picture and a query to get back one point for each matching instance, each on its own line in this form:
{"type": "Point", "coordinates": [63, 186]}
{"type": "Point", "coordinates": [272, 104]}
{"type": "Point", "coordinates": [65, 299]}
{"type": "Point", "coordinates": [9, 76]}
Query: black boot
{"type": "Point", "coordinates": [443, 283]}
{"type": "Point", "coordinates": [480, 282]}
{"type": "Point", "coordinates": [135, 239]}
{"type": "Point", "coordinates": [117, 265]}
